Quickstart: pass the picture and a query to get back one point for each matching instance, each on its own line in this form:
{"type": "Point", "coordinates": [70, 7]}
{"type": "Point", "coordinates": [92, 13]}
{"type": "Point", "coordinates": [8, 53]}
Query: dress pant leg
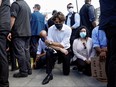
{"type": "Point", "coordinates": [19, 53]}
{"type": "Point", "coordinates": [111, 61]}
{"type": "Point", "coordinates": [12, 57]}
{"type": "Point", "coordinates": [50, 61]}
{"type": "Point", "coordinates": [4, 71]}
{"type": "Point", "coordinates": [27, 52]}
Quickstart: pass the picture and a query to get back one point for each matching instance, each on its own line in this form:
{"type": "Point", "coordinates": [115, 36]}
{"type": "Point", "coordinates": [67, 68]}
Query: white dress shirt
{"type": "Point", "coordinates": [41, 47]}
{"type": "Point", "coordinates": [61, 36]}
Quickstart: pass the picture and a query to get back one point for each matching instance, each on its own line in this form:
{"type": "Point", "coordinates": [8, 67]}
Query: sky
{"type": "Point", "coordinates": [60, 5]}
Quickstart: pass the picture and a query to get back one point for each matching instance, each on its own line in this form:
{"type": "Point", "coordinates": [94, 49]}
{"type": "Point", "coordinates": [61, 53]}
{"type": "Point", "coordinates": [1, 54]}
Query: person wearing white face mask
{"type": "Point", "coordinates": [73, 21]}
{"type": "Point", "coordinates": [70, 10]}
{"type": "Point", "coordinates": [83, 50]}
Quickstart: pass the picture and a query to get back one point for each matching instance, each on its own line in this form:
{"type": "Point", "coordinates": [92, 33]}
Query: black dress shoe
{"type": "Point", "coordinates": [18, 75]}
{"type": "Point", "coordinates": [30, 72]}
{"type": "Point", "coordinates": [87, 73]}
{"type": "Point", "coordinates": [75, 68]}
{"type": "Point", "coordinates": [47, 79]}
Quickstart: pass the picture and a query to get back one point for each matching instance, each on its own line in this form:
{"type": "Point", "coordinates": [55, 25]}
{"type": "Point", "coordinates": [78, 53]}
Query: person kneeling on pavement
{"type": "Point", "coordinates": [58, 45]}
{"type": "Point", "coordinates": [83, 51]}
{"type": "Point", "coordinates": [40, 60]}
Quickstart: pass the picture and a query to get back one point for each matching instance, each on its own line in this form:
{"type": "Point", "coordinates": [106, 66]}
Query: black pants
{"type": "Point", "coordinates": [111, 56]}
{"type": "Point", "coordinates": [33, 46]}
{"type": "Point", "coordinates": [12, 57]}
{"type": "Point", "coordinates": [51, 58]}
{"type": "Point", "coordinates": [83, 66]}
{"type": "Point", "coordinates": [3, 62]}
{"type": "Point", "coordinates": [22, 53]}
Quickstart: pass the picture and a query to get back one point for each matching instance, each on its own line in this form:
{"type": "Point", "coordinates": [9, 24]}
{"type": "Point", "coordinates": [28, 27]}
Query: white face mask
{"type": "Point", "coordinates": [70, 10]}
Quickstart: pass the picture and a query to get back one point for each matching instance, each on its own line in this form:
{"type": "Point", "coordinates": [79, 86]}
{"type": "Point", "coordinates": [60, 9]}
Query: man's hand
{"type": "Point", "coordinates": [64, 51]}
{"type": "Point", "coordinates": [72, 28]}
{"type": "Point", "coordinates": [102, 56]}
{"type": "Point", "coordinates": [9, 37]}
{"type": "Point", "coordinates": [48, 42]}
{"type": "Point", "coordinates": [37, 57]}
{"type": "Point", "coordinates": [88, 61]}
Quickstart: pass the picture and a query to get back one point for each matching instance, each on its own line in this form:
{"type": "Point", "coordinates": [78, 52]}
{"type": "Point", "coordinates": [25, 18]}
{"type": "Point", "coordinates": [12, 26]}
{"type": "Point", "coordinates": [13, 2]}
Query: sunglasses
{"type": "Point", "coordinates": [69, 7]}
{"type": "Point", "coordinates": [84, 46]}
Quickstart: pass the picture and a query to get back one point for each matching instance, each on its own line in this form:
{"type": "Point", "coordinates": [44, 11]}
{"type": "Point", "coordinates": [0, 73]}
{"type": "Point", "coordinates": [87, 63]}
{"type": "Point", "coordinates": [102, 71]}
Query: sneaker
{"type": "Point", "coordinates": [18, 75]}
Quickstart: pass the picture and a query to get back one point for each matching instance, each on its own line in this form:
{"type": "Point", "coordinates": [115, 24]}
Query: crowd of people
{"type": "Point", "coordinates": [72, 39]}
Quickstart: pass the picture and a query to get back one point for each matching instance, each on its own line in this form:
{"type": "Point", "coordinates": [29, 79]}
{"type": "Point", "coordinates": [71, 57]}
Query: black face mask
{"type": "Point", "coordinates": [43, 39]}
{"type": "Point", "coordinates": [59, 26]}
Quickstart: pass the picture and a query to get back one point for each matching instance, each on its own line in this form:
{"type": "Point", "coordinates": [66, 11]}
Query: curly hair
{"type": "Point", "coordinates": [60, 16]}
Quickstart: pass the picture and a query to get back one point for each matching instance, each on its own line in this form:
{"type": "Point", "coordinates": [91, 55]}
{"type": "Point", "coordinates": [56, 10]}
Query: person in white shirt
{"type": "Point", "coordinates": [59, 40]}
{"type": "Point", "coordinates": [83, 50]}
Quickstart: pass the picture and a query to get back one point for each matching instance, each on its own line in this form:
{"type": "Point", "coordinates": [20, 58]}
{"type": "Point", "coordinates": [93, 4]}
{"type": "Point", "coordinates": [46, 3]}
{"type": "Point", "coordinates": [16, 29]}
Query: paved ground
{"type": "Point", "coordinates": [75, 79]}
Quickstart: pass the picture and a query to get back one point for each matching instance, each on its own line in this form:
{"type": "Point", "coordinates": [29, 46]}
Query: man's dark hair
{"type": "Point", "coordinates": [60, 16]}
{"type": "Point", "coordinates": [86, 1]}
{"type": "Point", "coordinates": [69, 4]}
{"type": "Point", "coordinates": [54, 12]}
{"type": "Point", "coordinates": [37, 6]}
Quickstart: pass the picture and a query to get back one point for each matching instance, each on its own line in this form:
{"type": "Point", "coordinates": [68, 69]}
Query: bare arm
{"type": "Point", "coordinates": [60, 49]}
{"type": "Point", "coordinates": [12, 21]}
{"type": "Point", "coordinates": [39, 55]}
{"type": "Point", "coordinates": [98, 50]}
{"type": "Point", "coordinates": [50, 43]}
{"type": "Point", "coordinates": [0, 2]}
{"type": "Point", "coordinates": [57, 44]}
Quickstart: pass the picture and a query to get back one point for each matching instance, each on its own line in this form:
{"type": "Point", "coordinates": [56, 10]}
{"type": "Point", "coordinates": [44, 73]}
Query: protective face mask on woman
{"type": "Point", "coordinates": [83, 34]}
{"type": "Point", "coordinates": [70, 10]}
